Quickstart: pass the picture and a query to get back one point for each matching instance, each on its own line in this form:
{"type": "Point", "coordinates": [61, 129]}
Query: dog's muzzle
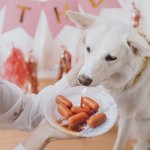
{"type": "Point", "coordinates": [84, 80]}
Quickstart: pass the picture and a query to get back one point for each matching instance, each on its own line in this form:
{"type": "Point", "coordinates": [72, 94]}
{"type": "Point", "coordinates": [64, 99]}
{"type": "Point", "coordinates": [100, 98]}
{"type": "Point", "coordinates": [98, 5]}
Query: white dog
{"type": "Point", "coordinates": [117, 57]}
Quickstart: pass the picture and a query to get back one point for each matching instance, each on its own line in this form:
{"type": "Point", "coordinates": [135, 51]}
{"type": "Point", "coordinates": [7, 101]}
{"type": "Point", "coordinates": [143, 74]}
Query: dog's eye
{"type": "Point", "coordinates": [110, 58]}
{"type": "Point", "coordinates": [88, 49]}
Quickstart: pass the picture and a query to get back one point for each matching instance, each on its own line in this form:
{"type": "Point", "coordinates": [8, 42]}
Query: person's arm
{"type": "Point", "coordinates": [21, 111]}
{"type": "Point", "coordinates": [45, 133]}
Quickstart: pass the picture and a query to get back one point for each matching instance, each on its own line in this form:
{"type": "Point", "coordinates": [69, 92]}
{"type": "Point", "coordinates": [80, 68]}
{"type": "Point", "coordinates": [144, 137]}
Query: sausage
{"type": "Point", "coordinates": [77, 119]}
{"type": "Point", "coordinates": [96, 120]}
{"type": "Point", "coordinates": [76, 109]}
{"type": "Point", "coordinates": [61, 99]}
{"type": "Point", "coordinates": [64, 111]}
{"type": "Point", "coordinates": [91, 103]}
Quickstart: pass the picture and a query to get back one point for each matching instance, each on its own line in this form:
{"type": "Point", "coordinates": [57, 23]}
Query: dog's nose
{"type": "Point", "coordinates": [84, 80]}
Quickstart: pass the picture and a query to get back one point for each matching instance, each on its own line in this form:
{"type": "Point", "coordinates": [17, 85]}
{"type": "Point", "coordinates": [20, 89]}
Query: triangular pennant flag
{"type": "Point", "coordinates": [55, 12]}
{"type": "Point", "coordinates": [24, 13]}
{"type": "Point", "coordinates": [95, 6]}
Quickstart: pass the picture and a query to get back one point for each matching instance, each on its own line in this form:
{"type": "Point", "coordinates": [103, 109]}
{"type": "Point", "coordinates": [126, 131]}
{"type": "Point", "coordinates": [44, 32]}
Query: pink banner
{"type": "Point", "coordinates": [24, 13]}
{"type": "Point", "coordinates": [95, 6]}
{"type": "Point", "coordinates": [55, 11]}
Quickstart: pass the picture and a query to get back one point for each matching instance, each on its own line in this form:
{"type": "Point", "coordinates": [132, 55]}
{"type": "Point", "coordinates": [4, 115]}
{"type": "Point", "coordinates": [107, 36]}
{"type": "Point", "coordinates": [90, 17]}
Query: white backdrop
{"type": "Point", "coordinates": [47, 51]}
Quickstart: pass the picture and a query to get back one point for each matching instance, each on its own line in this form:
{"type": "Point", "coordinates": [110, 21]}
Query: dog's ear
{"type": "Point", "coordinates": [81, 20]}
{"type": "Point", "coordinates": [138, 45]}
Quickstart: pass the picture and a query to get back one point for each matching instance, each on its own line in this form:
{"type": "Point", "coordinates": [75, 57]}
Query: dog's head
{"type": "Point", "coordinates": [113, 51]}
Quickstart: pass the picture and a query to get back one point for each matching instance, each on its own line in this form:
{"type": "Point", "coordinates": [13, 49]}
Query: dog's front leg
{"type": "Point", "coordinates": [42, 135]}
{"type": "Point", "coordinates": [122, 133]}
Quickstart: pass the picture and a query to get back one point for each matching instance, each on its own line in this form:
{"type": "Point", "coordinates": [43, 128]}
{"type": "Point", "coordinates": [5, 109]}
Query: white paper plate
{"type": "Point", "coordinates": [100, 95]}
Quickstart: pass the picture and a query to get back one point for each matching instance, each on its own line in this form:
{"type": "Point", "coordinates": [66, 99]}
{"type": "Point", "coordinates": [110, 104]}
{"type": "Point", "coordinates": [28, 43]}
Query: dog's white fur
{"type": "Point", "coordinates": [123, 42]}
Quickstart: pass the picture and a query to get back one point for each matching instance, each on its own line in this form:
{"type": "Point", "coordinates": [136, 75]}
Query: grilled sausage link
{"type": "Point", "coordinates": [64, 111]}
{"type": "Point", "coordinates": [96, 120]}
{"type": "Point", "coordinates": [91, 103]}
{"type": "Point", "coordinates": [77, 119]}
{"type": "Point", "coordinates": [61, 99]}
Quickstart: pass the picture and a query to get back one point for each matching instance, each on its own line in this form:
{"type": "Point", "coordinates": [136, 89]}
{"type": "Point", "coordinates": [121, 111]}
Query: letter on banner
{"type": "Point", "coordinates": [59, 14]}
{"type": "Point", "coordinates": [23, 10]}
{"type": "Point", "coordinates": [55, 12]}
{"type": "Point", "coordinates": [95, 6]}
{"type": "Point", "coordinates": [22, 13]}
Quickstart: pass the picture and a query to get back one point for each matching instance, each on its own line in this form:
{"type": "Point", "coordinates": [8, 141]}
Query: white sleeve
{"type": "Point", "coordinates": [20, 111]}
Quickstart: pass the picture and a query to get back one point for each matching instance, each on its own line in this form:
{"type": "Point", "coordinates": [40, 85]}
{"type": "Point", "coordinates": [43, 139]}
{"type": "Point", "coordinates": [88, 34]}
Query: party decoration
{"type": "Point", "coordinates": [65, 62]}
{"type": "Point", "coordinates": [55, 11]}
{"type": "Point", "coordinates": [23, 9]}
{"type": "Point", "coordinates": [94, 6]}
{"type": "Point", "coordinates": [136, 16]}
{"type": "Point", "coordinates": [32, 73]}
{"type": "Point", "coordinates": [15, 69]}
{"type": "Point", "coordinates": [24, 13]}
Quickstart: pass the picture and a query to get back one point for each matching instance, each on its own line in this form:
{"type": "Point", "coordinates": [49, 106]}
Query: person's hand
{"type": "Point", "coordinates": [72, 75]}
{"type": "Point", "coordinates": [42, 135]}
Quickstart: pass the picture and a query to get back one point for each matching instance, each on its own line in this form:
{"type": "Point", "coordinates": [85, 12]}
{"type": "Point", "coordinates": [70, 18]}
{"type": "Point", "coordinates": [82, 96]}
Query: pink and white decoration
{"type": "Point", "coordinates": [25, 13]}
{"type": "Point", "coordinates": [95, 6]}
